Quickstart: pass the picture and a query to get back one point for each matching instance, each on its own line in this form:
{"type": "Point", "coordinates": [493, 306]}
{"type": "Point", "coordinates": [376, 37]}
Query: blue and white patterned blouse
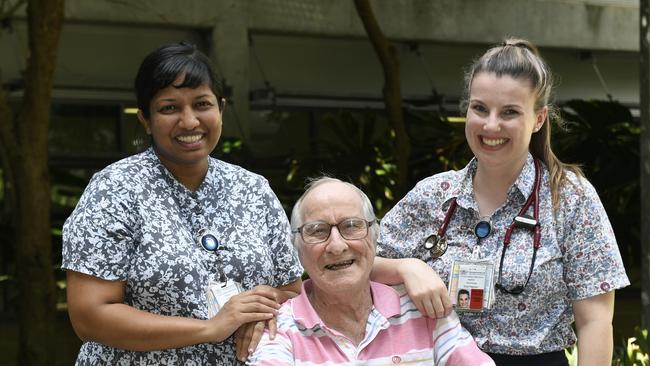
{"type": "Point", "coordinates": [578, 257]}
{"type": "Point", "coordinates": [136, 223]}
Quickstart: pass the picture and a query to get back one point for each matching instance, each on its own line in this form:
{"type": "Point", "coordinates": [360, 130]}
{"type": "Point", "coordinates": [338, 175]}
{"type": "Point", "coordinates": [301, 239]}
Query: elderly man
{"type": "Point", "coordinates": [343, 318]}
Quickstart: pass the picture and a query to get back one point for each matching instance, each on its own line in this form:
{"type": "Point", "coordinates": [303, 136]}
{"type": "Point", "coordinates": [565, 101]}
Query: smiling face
{"type": "Point", "coordinates": [185, 124]}
{"type": "Point", "coordinates": [336, 265]}
{"type": "Point", "coordinates": [501, 119]}
{"type": "Point", "coordinates": [463, 300]}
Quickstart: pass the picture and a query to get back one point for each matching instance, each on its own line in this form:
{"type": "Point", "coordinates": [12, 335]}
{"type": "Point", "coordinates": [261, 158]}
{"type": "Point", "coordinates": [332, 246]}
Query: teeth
{"type": "Point", "coordinates": [493, 142]}
{"type": "Point", "coordinates": [339, 265]}
{"type": "Point", "coordinates": [189, 138]}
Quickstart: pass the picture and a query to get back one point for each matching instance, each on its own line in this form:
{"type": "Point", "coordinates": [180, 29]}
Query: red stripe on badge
{"type": "Point", "coordinates": [476, 298]}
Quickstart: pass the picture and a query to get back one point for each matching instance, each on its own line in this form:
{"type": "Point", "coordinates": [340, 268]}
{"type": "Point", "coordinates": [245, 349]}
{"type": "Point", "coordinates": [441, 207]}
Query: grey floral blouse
{"type": "Point", "coordinates": [578, 257]}
{"type": "Point", "coordinates": [136, 223]}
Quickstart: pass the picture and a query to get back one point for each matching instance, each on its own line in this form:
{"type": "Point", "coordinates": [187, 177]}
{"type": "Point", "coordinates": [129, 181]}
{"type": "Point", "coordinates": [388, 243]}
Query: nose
{"type": "Point", "coordinates": [336, 244]}
{"type": "Point", "coordinates": [188, 119]}
{"type": "Point", "coordinates": [492, 123]}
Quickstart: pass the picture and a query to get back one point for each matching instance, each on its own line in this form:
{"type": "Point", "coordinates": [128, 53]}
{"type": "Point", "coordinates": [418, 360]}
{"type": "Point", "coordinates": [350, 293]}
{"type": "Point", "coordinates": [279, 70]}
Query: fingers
{"type": "Point", "coordinates": [426, 307]}
{"type": "Point", "coordinates": [241, 341]}
{"type": "Point", "coordinates": [446, 304]}
{"type": "Point", "coordinates": [247, 337]}
{"type": "Point", "coordinates": [438, 308]}
{"type": "Point", "coordinates": [228, 321]}
{"type": "Point", "coordinates": [256, 335]}
{"type": "Point", "coordinates": [269, 292]}
{"type": "Point", "coordinates": [249, 297]}
{"type": "Point", "coordinates": [273, 327]}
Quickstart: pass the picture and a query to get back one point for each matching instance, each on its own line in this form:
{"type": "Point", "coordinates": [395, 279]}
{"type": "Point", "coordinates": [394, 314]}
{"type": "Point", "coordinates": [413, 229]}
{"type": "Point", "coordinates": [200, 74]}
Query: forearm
{"type": "Point", "coordinates": [593, 317]}
{"type": "Point", "coordinates": [122, 326]}
{"type": "Point", "coordinates": [386, 270]}
{"type": "Point", "coordinates": [595, 344]}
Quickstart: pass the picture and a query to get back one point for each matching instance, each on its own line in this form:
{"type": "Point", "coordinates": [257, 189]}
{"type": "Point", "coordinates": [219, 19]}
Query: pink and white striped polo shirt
{"type": "Point", "coordinates": [396, 333]}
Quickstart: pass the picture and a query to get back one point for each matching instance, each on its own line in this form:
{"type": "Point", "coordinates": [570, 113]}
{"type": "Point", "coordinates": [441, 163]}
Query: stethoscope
{"type": "Point", "coordinates": [437, 243]}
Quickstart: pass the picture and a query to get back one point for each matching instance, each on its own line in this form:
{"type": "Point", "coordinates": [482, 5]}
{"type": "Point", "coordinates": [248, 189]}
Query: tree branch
{"type": "Point", "coordinates": [387, 55]}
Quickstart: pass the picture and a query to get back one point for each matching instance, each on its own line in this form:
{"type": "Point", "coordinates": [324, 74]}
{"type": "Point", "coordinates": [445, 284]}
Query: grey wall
{"type": "Point", "coordinates": [318, 48]}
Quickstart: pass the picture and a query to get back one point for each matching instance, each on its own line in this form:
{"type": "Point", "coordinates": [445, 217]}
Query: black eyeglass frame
{"type": "Point", "coordinates": [329, 233]}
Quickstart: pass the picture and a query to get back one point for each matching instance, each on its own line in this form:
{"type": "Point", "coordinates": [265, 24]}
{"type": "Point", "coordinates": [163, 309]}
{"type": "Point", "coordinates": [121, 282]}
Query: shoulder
{"type": "Point", "coordinates": [448, 180]}
{"type": "Point", "coordinates": [576, 189]}
{"type": "Point", "coordinates": [236, 175]}
{"type": "Point", "coordinates": [429, 193]}
{"type": "Point", "coordinates": [128, 171]}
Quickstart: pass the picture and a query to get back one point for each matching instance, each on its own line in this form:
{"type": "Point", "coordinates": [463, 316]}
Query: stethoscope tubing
{"type": "Point", "coordinates": [520, 221]}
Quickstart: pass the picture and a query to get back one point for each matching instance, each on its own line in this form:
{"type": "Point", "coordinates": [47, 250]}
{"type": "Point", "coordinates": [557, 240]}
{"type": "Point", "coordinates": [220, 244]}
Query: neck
{"type": "Point", "coordinates": [190, 179]}
{"type": "Point", "coordinates": [491, 184]}
{"type": "Point", "coordinates": [189, 175]}
{"type": "Point", "coordinates": [347, 313]}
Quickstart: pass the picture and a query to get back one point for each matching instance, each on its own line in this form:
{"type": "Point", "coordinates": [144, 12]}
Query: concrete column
{"type": "Point", "coordinates": [229, 51]}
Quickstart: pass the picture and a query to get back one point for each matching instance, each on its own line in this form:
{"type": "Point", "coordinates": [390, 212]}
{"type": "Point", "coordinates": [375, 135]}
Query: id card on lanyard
{"type": "Point", "coordinates": [217, 295]}
{"type": "Point", "coordinates": [471, 285]}
{"type": "Point", "coordinates": [217, 292]}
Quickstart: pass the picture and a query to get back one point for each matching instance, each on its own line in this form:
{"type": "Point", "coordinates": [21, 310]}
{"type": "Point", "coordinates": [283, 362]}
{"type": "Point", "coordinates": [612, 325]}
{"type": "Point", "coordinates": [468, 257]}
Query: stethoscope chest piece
{"type": "Point", "coordinates": [437, 246]}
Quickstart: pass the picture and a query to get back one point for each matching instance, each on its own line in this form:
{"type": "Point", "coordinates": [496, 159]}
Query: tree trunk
{"type": "Point", "coordinates": [644, 73]}
{"type": "Point", "coordinates": [392, 90]}
{"type": "Point", "coordinates": [25, 143]}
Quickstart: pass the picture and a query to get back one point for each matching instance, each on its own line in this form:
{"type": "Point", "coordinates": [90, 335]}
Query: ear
{"type": "Point", "coordinates": [222, 105]}
{"type": "Point", "coordinates": [144, 122]}
{"type": "Point", "coordinates": [540, 118]}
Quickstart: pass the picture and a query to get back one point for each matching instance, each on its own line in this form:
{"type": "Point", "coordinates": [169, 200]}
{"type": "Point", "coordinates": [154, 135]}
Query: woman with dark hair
{"type": "Point", "coordinates": [527, 231]}
{"type": "Point", "coordinates": [170, 252]}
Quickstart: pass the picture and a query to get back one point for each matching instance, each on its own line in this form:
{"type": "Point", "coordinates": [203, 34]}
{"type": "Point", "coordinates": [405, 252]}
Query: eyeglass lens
{"type": "Point", "coordinates": [351, 229]}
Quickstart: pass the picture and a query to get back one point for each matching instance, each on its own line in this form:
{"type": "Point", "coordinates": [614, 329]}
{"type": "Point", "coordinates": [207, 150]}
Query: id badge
{"type": "Point", "coordinates": [217, 295]}
{"type": "Point", "coordinates": [471, 285]}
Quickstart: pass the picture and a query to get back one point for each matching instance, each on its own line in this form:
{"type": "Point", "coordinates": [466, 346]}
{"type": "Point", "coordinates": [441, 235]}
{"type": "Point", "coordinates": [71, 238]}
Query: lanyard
{"type": "Point", "coordinates": [437, 244]}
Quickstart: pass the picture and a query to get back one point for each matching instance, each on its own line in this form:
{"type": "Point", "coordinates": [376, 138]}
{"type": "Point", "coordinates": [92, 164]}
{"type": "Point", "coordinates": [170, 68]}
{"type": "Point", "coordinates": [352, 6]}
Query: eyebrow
{"type": "Point", "coordinates": [204, 96]}
{"type": "Point", "coordinates": [165, 100]}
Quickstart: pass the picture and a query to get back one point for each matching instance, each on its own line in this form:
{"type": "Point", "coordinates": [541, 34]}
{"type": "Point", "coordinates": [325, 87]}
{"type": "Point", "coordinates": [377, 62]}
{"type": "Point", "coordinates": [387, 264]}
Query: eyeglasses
{"type": "Point", "coordinates": [319, 231]}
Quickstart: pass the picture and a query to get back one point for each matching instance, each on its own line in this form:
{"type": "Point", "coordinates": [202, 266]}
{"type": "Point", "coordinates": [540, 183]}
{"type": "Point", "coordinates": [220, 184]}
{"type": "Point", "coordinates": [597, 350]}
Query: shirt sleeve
{"type": "Point", "coordinates": [592, 261]}
{"type": "Point", "coordinates": [276, 352]}
{"type": "Point", "coordinates": [99, 234]}
{"type": "Point", "coordinates": [403, 228]}
{"type": "Point", "coordinates": [454, 346]}
{"type": "Point", "coordinates": [285, 259]}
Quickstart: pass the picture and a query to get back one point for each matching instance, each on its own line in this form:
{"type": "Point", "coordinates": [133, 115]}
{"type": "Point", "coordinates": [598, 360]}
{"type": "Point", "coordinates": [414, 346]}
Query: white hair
{"type": "Point", "coordinates": [366, 208]}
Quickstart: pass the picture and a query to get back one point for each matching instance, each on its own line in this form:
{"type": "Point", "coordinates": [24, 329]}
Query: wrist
{"type": "Point", "coordinates": [404, 265]}
{"type": "Point", "coordinates": [210, 330]}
